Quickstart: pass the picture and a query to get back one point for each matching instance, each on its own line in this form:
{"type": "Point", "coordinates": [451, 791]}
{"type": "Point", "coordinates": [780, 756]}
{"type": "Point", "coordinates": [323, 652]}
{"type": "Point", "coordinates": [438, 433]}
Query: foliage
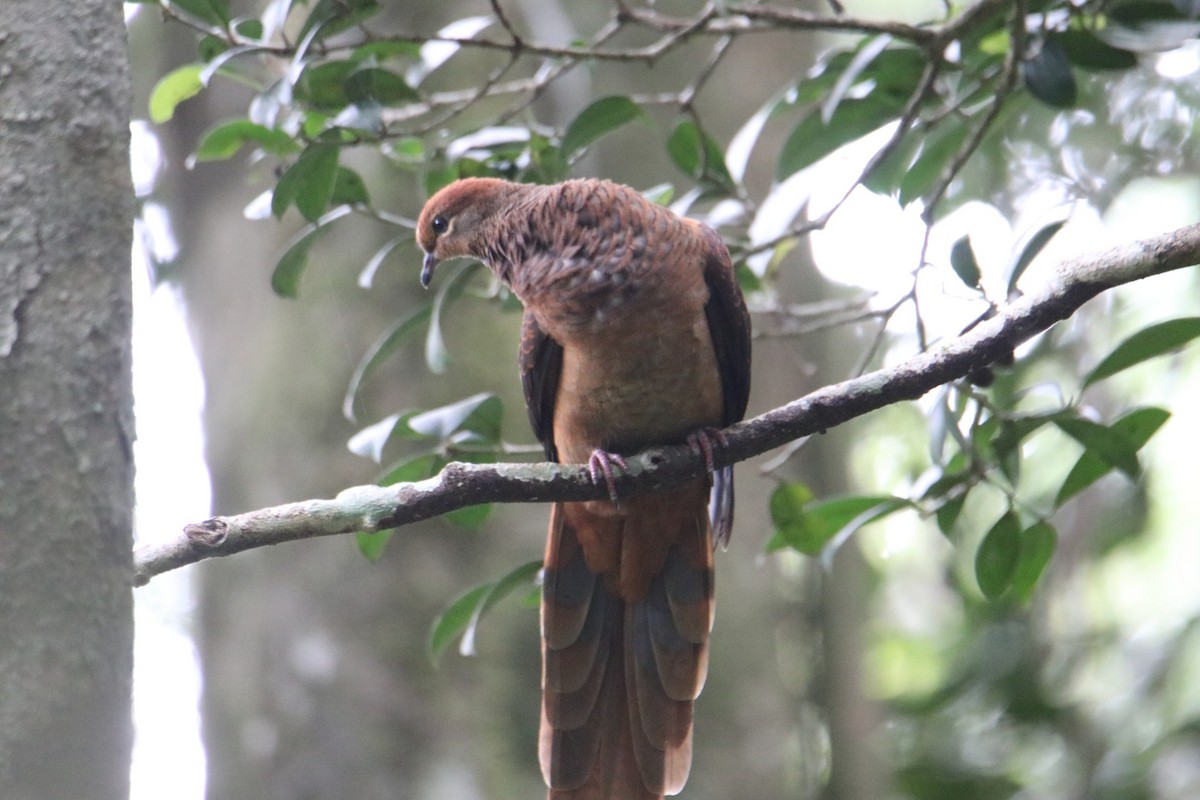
{"type": "Point", "coordinates": [336, 87]}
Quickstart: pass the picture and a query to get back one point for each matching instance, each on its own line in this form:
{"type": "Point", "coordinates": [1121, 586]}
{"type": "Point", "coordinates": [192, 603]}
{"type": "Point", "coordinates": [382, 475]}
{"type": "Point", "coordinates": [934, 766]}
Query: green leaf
{"type": "Point", "coordinates": [209, 47]}
{"type": "Point", "coordinates": [349, 189]}
{"type": "Point", "coordinates": [323, 86]}
{"type": "Point", "coordinates": [214, 12]}
{"type": "Point", "coordinates": [381, 350]}
{"type": "Point", "coordinates": [454, 620]}
{"type": "Point", "coordinates": [334, 16]}
{"type": "Point", "coordinates": [546, 163]}
{"type": "Point", "coordinates": [372, 545]}
{"type": "Point", "coordinates": [470, 517]}
{"type": "Point", "coordinates": [314, 124]}
{"type": "Point", "coordinates": [367, 85]}
{"type": "Point", "coordinates": [524, 575]}
{"type": "Point", "coordinates": [997, 557]}
{"type": "Point", "coordinates": [176, 86]}
{"type": "Point", "coordinates": [285, 279]}
{"type": "Point", "coordinates": [1138, 426]}
{"type": "Point", "coordinates": [1048, 76]}
{"type": "Point", "coordinates": [813, 138]}
{"type": "Point", "coordinates": [982, 436]}
{"type": "Point", "coordinates": [1148, 343]}
{"type": "Point", "coordinates": [810, 526]}
{"type": "Point", "coordinates": [787, 508]}
{"type": "Point", "coordinates": [699, 155]}
{"type": "Point", "coordinates": [414, 469]}
{"type": "Point", "coordinates": [962, 259]}
{"type": "Point", "coordinates": [224, 140]}
{"type": "Point", "coordinates": [1005, 446]}
{"type": "Point", "coordinates": [1030, 251]}
{"type": "Point", "coordinates": [948, 513]}
{"type": "Point", "coordinates": [886, 176]}
{"type": "Point", "coordinates": [217, 62]}
{"type": "Point", "coordinates": [1037, 545]}
{"type": "Point", "coordinates": [1107, 443]}
{"type": "Point", "coordinates": [1086, 51]}
{"type": "Point", "coordinates": [601, 117]}
{"type": "Point", "coordinates": [480, 413]}
{"type": "Point", "coordinates": [464, 614]}
{"type": "Point", "coordinates": [836, 514]}
{"type": "Point", "coordinates": [408, 150]}
{"type": "Point", "coordinates": [936, 153]}
{"type": "Point", "coordinates": [308, 183]}
{"type": "Point", "coordinates": [684, 148]}
{"type": "Point", "coordinates": [250, 27]}
{"type": "Point", "coordinates": [996, 43]}
{"type": "Point", "coordinates": [867, 52]}
{"type": "Point", "coordinates": [893, 72]}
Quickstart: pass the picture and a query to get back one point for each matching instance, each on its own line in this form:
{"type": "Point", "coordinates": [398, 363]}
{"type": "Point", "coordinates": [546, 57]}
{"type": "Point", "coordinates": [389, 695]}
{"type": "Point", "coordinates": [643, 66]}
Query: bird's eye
{"type": "Point", "coordinates": [440, 225]}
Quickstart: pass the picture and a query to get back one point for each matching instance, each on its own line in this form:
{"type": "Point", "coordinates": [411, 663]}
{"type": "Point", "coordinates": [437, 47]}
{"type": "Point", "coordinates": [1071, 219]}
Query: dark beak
{"type": "Point", "coordinates": [431, 263]}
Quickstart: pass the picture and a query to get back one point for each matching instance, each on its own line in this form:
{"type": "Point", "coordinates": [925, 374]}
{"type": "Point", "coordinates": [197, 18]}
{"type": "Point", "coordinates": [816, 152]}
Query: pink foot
{"type": "Point", "coordinates": [701, 443]}
{"type": "Point", "coordinates": [600, 463]}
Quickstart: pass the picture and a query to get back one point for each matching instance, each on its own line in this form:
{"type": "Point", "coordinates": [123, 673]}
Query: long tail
{"type": "Point", "coordinates": [619, 677]}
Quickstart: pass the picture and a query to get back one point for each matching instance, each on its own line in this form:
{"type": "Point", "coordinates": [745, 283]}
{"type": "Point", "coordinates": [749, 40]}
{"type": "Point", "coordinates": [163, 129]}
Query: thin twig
{"type": "Point", "coordinates": [517, 44]}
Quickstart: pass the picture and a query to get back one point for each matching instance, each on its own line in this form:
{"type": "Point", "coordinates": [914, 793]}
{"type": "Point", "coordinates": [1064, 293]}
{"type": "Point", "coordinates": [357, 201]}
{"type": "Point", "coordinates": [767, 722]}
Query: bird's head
{"type": "Point", "coordinates": [453, 222]}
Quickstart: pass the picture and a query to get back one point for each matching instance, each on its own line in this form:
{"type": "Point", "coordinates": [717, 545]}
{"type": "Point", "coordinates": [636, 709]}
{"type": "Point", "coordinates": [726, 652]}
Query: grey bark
{"type": "Point", "coordinates": [66, 427]}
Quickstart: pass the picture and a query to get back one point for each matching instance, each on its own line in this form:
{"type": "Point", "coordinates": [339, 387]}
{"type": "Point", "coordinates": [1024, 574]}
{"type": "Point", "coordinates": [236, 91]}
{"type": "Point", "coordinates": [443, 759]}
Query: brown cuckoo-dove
{"type": "Point", "coordinates": [635, 334]}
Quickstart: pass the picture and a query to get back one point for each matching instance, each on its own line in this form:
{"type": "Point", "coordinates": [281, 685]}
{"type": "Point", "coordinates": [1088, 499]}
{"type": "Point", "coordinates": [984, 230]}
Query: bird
{"type": "Point", "coordinates": [635, 334]}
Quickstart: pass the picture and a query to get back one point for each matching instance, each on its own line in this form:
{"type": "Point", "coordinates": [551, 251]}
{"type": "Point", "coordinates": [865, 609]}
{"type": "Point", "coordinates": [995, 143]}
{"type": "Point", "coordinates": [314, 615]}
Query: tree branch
{"type": "Point", "coordinates": [375, 508]}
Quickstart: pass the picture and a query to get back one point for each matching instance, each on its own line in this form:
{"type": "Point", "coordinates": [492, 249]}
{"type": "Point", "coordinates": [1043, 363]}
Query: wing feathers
{"type": "Point", "coordinates": [540, 363]}
{"type": "Point", "coordinates": [729, 327]}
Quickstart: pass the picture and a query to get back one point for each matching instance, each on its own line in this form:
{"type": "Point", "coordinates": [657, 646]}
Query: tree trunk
{"type": "Point", "coordinates": [66, 422]}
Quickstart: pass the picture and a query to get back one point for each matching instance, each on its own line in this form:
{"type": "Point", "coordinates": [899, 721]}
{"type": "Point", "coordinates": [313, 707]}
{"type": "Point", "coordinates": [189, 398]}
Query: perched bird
{"type": "Point", "coordinates": [635, 334]}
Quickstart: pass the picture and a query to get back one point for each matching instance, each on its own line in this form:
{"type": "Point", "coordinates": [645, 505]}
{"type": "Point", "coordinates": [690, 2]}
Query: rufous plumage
{"type": "Point", "coordinates": [635, 334]}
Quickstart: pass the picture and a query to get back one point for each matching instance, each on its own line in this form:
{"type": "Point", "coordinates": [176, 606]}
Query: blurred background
{"type": "Point", "coordinates": [875, 669]}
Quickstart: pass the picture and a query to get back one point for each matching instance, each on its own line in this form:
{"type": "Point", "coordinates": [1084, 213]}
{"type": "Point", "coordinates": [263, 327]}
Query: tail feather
{"type": "Point", "coordinates": [620, 677]}
{"type": "Point", "coordinates": [680, 661]}
{"type": "Point", "coordinates": [720, 506]}
{"type": "Point", "coordinates": [664, 747]}
{"type": "Point", "coordinates": [568, 587]}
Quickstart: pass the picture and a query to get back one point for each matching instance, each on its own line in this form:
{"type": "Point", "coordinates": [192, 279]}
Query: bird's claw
{"type": "Point", "coordinates": [701, 443]}
{"type": "Point", "coordinates": [600, 463]}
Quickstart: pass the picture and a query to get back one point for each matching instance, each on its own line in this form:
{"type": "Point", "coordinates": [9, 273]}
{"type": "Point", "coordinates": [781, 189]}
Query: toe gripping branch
{"type": "Point", "coordinates": [601, 462]}
{"type": "Point", "coordinates": [701, 443]}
